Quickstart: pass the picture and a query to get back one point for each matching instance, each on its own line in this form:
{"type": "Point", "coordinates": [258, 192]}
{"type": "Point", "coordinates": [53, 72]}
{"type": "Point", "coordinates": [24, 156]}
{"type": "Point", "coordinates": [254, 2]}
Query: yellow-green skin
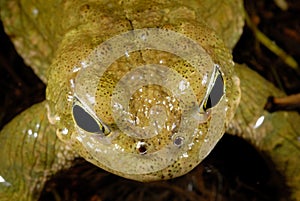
{"type": "Point", "coordinates": [59, 39]}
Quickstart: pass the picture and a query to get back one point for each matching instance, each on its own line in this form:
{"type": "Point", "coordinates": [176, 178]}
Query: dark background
{"type": "Point", "coordinates": [234, 171]}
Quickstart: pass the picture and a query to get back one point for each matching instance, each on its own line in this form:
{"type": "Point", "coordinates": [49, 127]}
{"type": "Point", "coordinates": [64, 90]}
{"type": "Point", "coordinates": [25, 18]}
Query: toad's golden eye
{"type": "Point", "coordinates": [86, 121]}
{"type": "Point", "coordinates": [215, 91]}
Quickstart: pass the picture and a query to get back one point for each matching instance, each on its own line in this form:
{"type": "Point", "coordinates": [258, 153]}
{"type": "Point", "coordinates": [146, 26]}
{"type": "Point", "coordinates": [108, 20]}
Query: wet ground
{"type": "Point", "coordinates": [234, 171]}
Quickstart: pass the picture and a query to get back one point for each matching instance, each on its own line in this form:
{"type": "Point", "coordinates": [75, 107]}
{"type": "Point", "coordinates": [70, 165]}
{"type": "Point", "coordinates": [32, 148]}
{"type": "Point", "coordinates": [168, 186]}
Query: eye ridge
{"type": "Point", "coordinates": [216, 92]}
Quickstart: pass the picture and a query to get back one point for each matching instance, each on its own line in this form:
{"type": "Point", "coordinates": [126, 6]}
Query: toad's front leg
{"type": "Point", "coordinates": [30, 152]}
{"type": "Point", "coordinates": [276, 134]}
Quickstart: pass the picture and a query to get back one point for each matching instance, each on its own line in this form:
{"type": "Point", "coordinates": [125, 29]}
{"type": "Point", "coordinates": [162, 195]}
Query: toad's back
{"type": "Point", "coordinates": [37, 28]}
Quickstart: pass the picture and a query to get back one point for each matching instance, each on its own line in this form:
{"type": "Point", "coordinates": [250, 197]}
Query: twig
{"type": "Point", "coordinates": [271, 45]}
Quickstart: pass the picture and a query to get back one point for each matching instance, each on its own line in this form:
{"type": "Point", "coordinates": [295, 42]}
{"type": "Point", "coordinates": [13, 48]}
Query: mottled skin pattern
{"type": "Point", "coordinates": [59, 39]}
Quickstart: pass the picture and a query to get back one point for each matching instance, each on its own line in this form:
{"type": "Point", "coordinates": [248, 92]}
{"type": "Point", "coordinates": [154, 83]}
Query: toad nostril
{"type": "Point", "coordinates": [178, 141]}
{"type": "Point", "coordinates": [142, 149]}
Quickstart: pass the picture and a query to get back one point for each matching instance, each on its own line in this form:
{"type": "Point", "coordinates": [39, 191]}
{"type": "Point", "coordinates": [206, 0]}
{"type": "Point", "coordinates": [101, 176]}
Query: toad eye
{"type": "Point", "coordinates": [216, 91]}
{"type": "Point", "coordinates": [86, 121]}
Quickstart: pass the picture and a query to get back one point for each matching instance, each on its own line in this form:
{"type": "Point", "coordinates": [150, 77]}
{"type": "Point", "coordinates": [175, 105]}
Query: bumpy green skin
{"type": "Point", "coordinates": [30, 152]}
{"type": "Point", "coordinates": [53, 47]}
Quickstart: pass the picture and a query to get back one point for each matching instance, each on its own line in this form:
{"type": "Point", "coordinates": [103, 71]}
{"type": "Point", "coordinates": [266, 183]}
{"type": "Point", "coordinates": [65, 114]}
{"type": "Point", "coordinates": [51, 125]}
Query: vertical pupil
{"type": "Point", "coordinates": [84, 120]}
{"type": "Point", "coordinates": [208, 103]}
{"type": "Point", "coordinates": [216, 93]}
